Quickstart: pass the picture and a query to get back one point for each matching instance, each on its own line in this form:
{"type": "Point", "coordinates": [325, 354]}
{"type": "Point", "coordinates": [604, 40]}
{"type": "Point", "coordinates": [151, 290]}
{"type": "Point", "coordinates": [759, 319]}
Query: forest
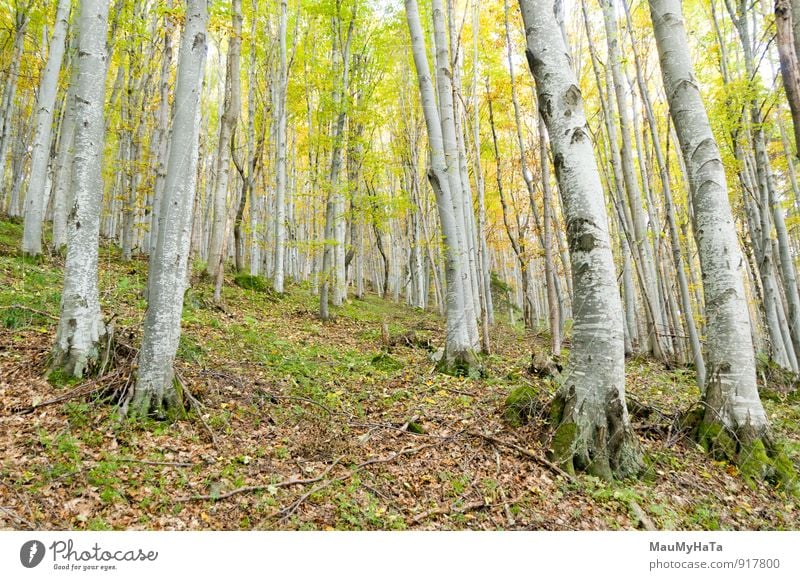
{"type": "Point", "coordinates": [384, 265]}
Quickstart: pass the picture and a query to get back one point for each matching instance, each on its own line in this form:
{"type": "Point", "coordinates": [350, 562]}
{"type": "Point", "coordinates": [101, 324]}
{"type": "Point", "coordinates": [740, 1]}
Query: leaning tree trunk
{"type": "Point", "coordinates": [594, 431]}
{"type": "Point", "coordinates": [155, 390]}
{"type": "Point", "coordinates": [230, 115]}
{"type": "Point", "coordinates": [80, 326]}
{"type": "Point", "coordinates": [790, 70]}
{"type": "Point", "coordinates": [48, 87]}
{"type": "Point", "coordinates": [734, 422]}
{"type": "Point", "coordinates": [458, 355]}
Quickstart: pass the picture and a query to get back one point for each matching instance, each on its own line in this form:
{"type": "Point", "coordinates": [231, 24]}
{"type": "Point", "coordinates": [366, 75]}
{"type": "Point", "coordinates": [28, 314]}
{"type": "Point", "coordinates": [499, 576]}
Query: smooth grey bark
{"type": "Point", "coordinates": [669, 209]}
{"type": "Point", "coordinates": [64, 158]}
{"type": "Point", "coordinates": [8, 105]}
{"type": "Point", "coordinates": [80, 326]}
{"type": "Point", "coordinates": [155, 390]}
{"type": "Point", "coordinates": [40, 156]}
{"type": "Point", "coordinates": [458, 351]}
{"type": "Point", "coordinates": [641, 245]}
{"type": "Point", "coordinates": [739, 14]}
{"type": "Point", "coordinates": [554, 314]}
{"type": "Point", "coordinates": [487, 315]}
{"type": "Point", "coordinates": [731, 394]}
{"type": "Point", "coordinates": [615, 188]}
{"type": "Point", "coordinates": [333, 257]}
{"type": "Point", "coordinates": [280, 179]}
{"type": "Point", "coordinates": [230, 116]}
{"type": "Point", "coordinates": [594, 431]}
{"type": "Point", "coordinates": [162, 132]}
{"type": "Point", "coordinates": [790, 68]}
{"type": "Point", "coordinates": [447, 113]}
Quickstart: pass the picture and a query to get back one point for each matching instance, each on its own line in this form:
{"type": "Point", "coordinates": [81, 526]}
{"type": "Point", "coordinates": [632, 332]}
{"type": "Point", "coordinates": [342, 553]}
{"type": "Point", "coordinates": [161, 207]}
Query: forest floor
{"type": "Point", "coordinates": [305, 425]}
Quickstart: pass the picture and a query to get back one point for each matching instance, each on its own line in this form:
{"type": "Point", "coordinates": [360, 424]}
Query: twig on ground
{"type": "Point", "coordinates": [252, 488]}
{"type": "Point", "coordinates": [449, 510]}
{"type": "Point", "coordinates": [17, 517]}
{"type": "Point", "coordinates": [522, 451]}
{"type": "Point", "coordinates": [198, 406]}
{"type": "Point", "coordinates": [288, 511]}
{"type": "Point", "coordinates": [29, 309]}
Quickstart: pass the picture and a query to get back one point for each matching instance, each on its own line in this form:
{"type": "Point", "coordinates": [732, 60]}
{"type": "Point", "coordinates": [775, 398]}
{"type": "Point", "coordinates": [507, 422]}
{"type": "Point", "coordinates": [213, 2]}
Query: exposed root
{"type": "Point", "coordinates": [604, 447]}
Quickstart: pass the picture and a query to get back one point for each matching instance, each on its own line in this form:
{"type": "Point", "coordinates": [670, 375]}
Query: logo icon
{"type": "Point", "coordinates": [31, 553]}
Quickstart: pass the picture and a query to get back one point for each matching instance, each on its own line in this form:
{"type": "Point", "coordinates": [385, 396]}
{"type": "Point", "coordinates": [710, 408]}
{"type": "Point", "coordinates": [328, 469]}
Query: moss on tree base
{"type": "Point", "coordinates": [607, 450]}
{"type": "Point", "coordinates": [460, 364]}
{"type": "Point", "coordinates": [167, 405]}
{"type": "Point", "coordinates": [758, 457]}
{"type": "Point", "coordinates": [74, 364]}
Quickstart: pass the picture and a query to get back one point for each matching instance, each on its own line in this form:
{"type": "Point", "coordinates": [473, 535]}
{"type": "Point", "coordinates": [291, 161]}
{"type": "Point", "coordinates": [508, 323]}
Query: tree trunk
{"type": "Point", "coordinates": [458, 353]}
{"type": "Point", "coordinates": [666, 188]}
{"type": "Point", "coordinates": [734, 421]}
{"type": "Point", "coordinates": [80, 327]}
{"type": "Point", "coordinates": [230, 116]}
{"type": "Point", "coordinates": [641, 246]}
{"type": "Point", "coordinates": [7, 111]}
{"type": "Point", "coordinates": [66, 154]}
{"type": "Point", "coordinates": [40, 157]}
{"type": "Point", "coordinates": [280, 180]}
{"type": "Point", "coordinates": [155, 390]}
{"type": "Point", "coordinates": [593, 431]}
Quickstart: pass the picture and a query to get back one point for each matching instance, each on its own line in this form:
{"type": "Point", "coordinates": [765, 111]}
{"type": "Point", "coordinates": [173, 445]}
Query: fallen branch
{"type": "Point", "coordinates": [643, 518]}
{"type": "Point", "coordinates": [29, 309]}
{"type": "Point", "coordinates": [289, 510]}
{"type": "Point", "coordinates": [254, 488]}
{"type": "Point", "coordinates": [522, 451]}
{"type": "Point", "coordinates": [18, 517]}
{"type": "Point", "coordinates": [80, 391]}
{"type": "Point", "coordinates": [450, 510]}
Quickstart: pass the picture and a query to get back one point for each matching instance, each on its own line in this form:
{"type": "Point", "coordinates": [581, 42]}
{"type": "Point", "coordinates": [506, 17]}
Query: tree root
{"type": "Point", "coordinates": [606, 448]}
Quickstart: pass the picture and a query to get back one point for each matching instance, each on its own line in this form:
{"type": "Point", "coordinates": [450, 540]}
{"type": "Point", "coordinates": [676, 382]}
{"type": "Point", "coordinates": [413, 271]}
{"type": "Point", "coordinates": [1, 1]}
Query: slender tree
{"type": "Point", "coordinates": [227, 126]}
{"type": "Point", "coordinates": [155, 390]}
{"type": "Point", "coordinates": [458, 353]}
{"type": "Point", "coordinates": [35, 197]}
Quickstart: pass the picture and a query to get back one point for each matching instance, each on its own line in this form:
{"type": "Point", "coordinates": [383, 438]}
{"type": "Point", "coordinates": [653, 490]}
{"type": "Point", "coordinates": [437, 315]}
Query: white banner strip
{"type": "Point", "coordinates": [399, 555]}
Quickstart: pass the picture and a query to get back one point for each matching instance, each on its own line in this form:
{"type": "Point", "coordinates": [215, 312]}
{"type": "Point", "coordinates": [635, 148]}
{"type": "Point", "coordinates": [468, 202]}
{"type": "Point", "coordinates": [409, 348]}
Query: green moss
{"type": "Point", "coordinates": [58, 377]}
{"type": "Point", "coordinates": [463, 364]}
{"type": "Point", "coordinates": [415, 428]}
{"type": "Point", "coordinates": [250, 282]}
{"type": "Point", "coordinates": [563, 445]}
{"type": "Point", "coordinates": [716, 440]}
{"type": "Point", "coordinates": [785, 474]}
{"type": "Point", "coordinates": [521, 405]}
{"type": "Point", "coordinates": [753, 461]}
{"type": "Point", "coordinates": [386, 363]}
{"type": "Point", "coordinates": [556, 410]}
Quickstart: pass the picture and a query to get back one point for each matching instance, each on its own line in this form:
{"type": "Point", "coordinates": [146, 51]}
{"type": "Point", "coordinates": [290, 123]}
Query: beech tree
{"type": "Point", "coordinates": [155, 390]}
{"type": "Point", "coordinates": [593, 429]}
{"type": "Point", "coordinates": [35, 198]}
{"type": "Point", "coordinates": [80, 326]}
{"type": "Point", "coordinates": [734, 423]}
